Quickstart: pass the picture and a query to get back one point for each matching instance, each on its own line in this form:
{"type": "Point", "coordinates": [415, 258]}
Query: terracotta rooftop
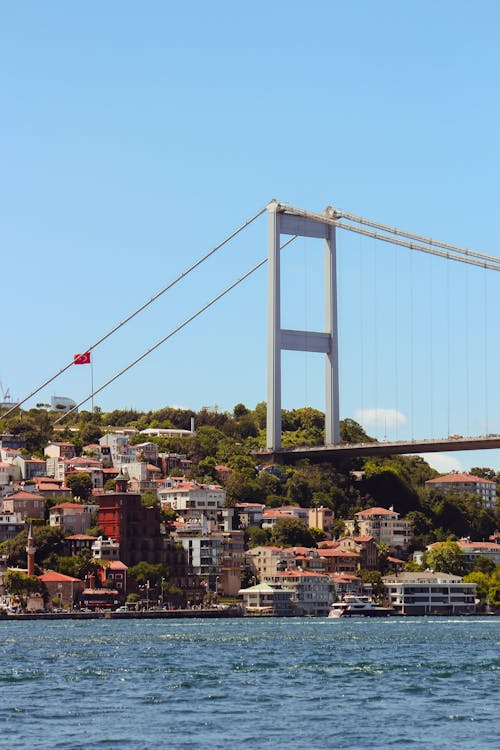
{"type": "Point", "coordinates": [376, 512]}
{"type": "Point", "coordinates": [52, 577]}
{"type": "Point", "coordinates": [459, 477]}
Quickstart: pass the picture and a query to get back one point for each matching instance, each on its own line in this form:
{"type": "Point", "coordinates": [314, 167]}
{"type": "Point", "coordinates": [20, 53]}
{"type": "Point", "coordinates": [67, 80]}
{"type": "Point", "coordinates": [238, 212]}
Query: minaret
{"type": "Point", "coordinates": [30, 552]}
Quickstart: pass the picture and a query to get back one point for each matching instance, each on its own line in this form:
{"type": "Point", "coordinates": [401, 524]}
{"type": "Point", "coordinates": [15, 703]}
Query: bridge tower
{"type": "Point", "coordinates": [288, 221]}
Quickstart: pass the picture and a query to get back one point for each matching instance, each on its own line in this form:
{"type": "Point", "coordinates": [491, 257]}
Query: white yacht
{"type": "Point", "coordinates": [358, 606]}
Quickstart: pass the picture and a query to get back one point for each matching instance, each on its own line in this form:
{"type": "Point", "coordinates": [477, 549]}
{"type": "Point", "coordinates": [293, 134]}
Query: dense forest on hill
{"type": "Point", "coordinates": [230, 438]}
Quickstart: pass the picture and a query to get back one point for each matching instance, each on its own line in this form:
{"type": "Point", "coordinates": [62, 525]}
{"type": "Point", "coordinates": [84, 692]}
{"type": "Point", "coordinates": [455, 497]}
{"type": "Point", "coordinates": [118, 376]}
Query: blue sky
{"type": "Point", "coordinates": [135, 136]}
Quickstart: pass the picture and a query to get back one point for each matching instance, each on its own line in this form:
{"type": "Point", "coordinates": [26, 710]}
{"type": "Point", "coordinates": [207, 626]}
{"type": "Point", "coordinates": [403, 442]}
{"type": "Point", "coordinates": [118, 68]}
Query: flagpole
{"type": "Point", "coordinates": [92, 381]}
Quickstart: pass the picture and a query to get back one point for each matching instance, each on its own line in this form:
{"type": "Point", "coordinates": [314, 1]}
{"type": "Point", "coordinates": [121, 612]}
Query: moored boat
{"type": "Point", "coordinates": [358, 606]}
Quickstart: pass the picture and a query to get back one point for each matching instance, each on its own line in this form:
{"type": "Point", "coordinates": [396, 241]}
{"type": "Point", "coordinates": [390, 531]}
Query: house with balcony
{"type": "Point", "coordinates": [191, 501]}
{"type": "Point", "coordinates": [267, 599]}
{"type": "Point", "coordinates": [384, 525]}
{"type": "Point", "coordinates": [430, 593]}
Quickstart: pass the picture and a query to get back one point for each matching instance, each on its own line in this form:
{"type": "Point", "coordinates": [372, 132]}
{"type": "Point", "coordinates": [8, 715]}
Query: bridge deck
{"type": "Point", "coordinates": [328, 452]}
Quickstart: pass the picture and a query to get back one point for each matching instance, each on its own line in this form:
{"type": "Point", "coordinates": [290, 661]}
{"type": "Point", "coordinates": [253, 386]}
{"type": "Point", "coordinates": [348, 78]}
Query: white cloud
{"type": "Point", "coordinates": [442, 462]}
{"type": "Point", "coordinates": [381, 418]}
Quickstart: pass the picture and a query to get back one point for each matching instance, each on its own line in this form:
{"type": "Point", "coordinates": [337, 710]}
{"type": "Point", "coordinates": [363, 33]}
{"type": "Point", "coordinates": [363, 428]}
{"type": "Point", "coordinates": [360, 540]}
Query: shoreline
{"type": "Point", "coordinates": [170, 614]}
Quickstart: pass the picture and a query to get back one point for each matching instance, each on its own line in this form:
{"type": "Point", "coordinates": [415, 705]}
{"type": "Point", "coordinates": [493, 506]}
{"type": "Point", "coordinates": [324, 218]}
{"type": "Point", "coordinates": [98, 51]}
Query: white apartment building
{"type": "Point", "coordinates": [120, 450]}
{"type": "Point", "coordinates": [312, 593]}
{"type": "Point", "coordinates": [105, 549]}
{"type": "Point", "coordinates": [456, 482]}
{"type": "Point", "coordinates": [383, 525]}
{"type": "Point", "coordinates": [429, 593]}
{"type": "Point", "coordinates": [192, 500]}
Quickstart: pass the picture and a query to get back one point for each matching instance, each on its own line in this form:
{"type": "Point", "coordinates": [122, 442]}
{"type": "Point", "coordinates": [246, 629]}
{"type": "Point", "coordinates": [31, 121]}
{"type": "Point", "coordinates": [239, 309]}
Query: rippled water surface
{"type": "Point", "coordinates": [273, 683]}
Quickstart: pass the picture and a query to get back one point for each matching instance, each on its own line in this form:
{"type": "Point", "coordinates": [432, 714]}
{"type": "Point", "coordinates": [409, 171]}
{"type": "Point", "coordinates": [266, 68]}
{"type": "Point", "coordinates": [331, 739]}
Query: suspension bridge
{"type": "Point", "coordinates": [285, 221]}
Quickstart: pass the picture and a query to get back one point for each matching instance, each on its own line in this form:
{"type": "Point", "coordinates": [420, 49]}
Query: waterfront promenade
{"type": "Point", "coordinates": [150, 614]}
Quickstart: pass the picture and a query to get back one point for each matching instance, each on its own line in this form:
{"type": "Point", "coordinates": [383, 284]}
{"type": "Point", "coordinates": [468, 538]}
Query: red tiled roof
{"type": "Point", "coordinates": [23, 495]}
{"type": "Point", "coordinates": [481, 545]}
{"type": "Point", "coordinates": [52, 577]}
{"type": "Point", "coordinates": [69, 506]}
{"type": "Point", "coordinates": [81, 537]}
{"type": "Point", "coordinates": [295, 573]}
{"type": "Point", "coordinates": [376, 512]}
{"type": "Point", "coordinates": [117, 565]}
{"type": "Point", "coordinates": [459, 477]}
{"type": "Point", "coordinates": [339, 553]}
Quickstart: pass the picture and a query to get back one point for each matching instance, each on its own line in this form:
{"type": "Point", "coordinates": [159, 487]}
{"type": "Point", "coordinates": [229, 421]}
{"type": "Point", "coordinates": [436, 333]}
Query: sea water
{"type": "Point", "coordinates": [250, 683]}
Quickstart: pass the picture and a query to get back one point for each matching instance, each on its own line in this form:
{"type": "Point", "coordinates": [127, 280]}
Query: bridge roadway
{"type": "Point", "coordinates": [319, 453]}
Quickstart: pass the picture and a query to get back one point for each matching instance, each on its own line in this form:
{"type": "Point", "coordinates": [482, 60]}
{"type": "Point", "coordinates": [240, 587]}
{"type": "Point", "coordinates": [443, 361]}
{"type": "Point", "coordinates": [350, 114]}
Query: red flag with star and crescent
{"type": "Point", "coordinates": [81, 359]}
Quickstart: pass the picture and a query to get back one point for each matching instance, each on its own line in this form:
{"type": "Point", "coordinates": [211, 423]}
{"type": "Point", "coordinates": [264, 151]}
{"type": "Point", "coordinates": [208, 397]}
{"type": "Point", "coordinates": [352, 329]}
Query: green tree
{"type": "Point", "coordinates": [484, 565]}
{"type": "Point", "coordinates": [257, 537]}
{"type": "Point", "coordinates": [446, 557]}
{"type": "Point", "coordinates": [374, 579]}
{"type": "Point", "coordinates": [483, 584]}
{"type": "Point", "coordinates": [90, 433]}
{"type": "Point", "coordinates": [48, 541]}
{"type": "Point", "coordinates": [20, 584]}
{"type": "Point", "coordinates": [144, 572]}
{"type": "Point", "coordinates": [80, 484]}
{"type": "Point", "coordinates": [292, 532]}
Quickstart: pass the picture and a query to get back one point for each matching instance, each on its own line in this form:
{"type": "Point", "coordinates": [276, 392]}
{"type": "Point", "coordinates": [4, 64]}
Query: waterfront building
{"type": "Point", "coordinates": [312, 593]}
{"type": "Point", "coordinates": [204, 556]}
{"type": "Point", "coordinates": [114, 576]}
{"type": "Point", "coordinates": [385, 526]}
{"type": "Point", "coordinates": [429, 593]}
{"type": "Point", "coordinates": [456, 482]}
{"type": "Point", "coordinates": [63, 590]}
{"type": "Point", "coordinates": [136, 528]}
{"type": "Point", "coordinates": [267, 599]}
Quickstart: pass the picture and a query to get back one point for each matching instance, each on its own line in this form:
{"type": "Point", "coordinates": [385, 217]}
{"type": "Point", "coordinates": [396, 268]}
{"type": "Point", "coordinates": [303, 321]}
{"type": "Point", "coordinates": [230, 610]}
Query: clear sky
{"type": "Point", "coordinates": [135, 136]}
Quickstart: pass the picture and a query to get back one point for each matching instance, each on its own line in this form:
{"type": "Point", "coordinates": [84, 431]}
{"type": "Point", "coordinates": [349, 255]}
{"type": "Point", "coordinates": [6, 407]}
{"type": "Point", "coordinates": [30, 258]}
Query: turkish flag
{"type": "Point", "coordinates": [81, 359]}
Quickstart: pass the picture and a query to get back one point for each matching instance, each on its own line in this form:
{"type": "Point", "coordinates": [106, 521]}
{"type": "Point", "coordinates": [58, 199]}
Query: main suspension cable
{"type": "Point", "coordinates": [172, 333]}
{"type": "Point", "coordinates": [142, 307]}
